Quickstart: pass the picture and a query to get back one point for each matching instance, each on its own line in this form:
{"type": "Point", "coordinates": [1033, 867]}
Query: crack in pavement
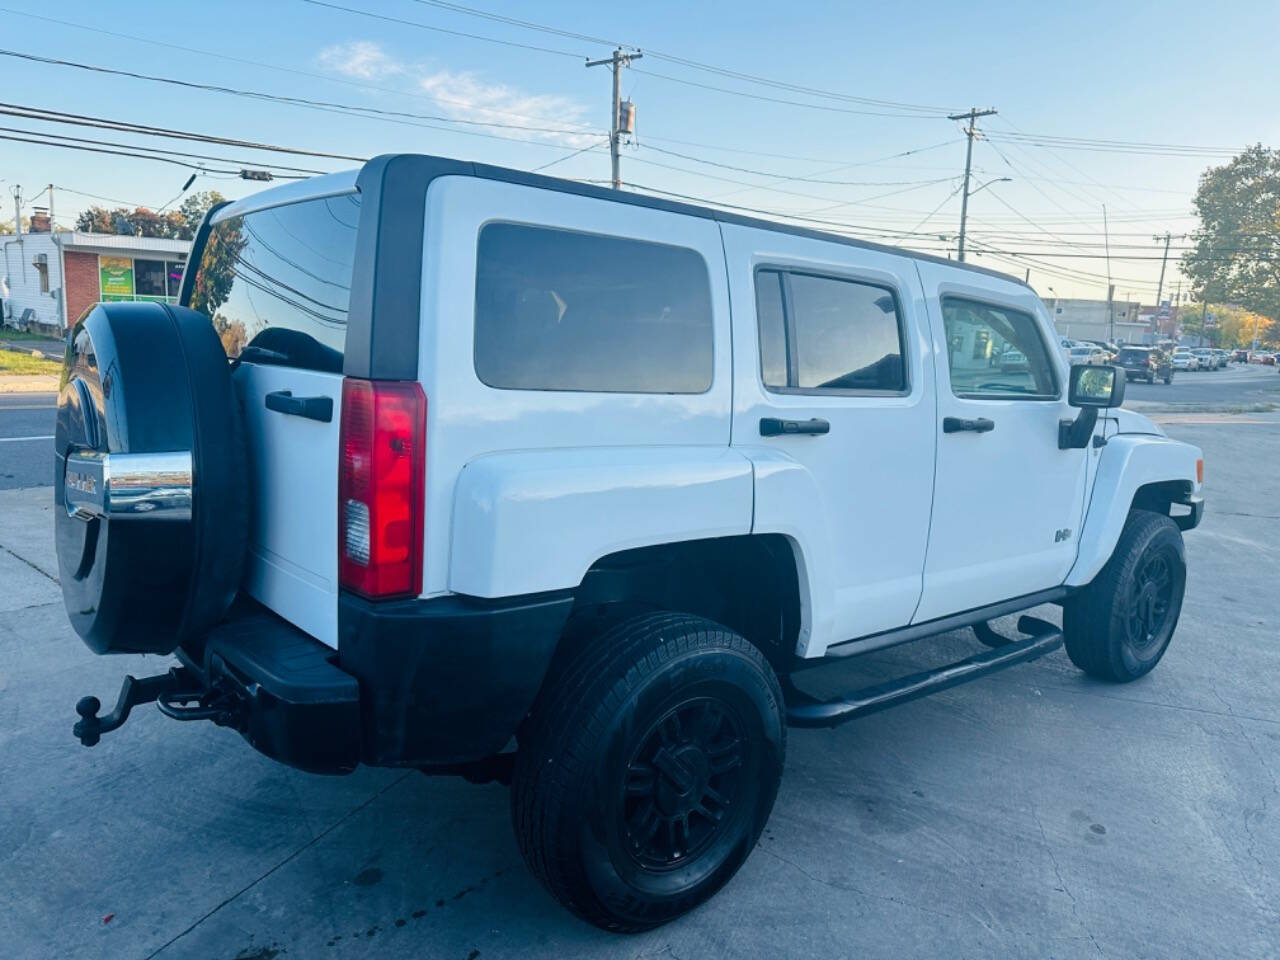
{"type": "Point", "coordinates": [1062, 883]}
{"type": "Point", "coordinates": [20, 557]}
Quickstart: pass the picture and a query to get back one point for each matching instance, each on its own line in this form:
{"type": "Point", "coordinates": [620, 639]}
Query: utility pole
{"type": "Point", "coordinates": [617, 62]}
{"type": "Point", "coordinates": [972, 116]}
{"type": "Point", "coordinates": [1160, 287]}
{"type": "Point", "coordinates": [17, 212]}
{"type": "Point", "coordinates": [1111, 287]}
{"type": "Point", "coordinates": [53, 227]}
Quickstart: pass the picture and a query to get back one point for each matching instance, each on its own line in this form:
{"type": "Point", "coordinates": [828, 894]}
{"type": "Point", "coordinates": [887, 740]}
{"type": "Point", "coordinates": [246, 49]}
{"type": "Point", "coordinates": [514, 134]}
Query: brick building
{"type": "Point", "coordinates": [49, 279]}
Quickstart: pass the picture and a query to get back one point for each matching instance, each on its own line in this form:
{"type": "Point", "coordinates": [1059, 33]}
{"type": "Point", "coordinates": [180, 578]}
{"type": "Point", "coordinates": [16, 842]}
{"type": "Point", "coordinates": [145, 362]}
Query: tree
{"type": "Point", "coordinates": [195, 207]}
{"type": "Point", "coordinates": [180, 224]}
{"type": "Point", "coordinates": [1237, 247]}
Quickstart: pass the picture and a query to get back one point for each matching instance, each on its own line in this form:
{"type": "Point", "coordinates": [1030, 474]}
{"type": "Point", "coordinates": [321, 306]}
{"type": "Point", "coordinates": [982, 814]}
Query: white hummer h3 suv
{"type": "Point", "coordinates": [458, 468]}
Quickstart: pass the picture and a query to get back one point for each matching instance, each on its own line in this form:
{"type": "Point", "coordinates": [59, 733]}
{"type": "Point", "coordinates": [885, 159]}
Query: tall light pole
{"type": "Point", "coordinates": [969, 131]}
{"type": "Point", "coordinates": [617, 62]}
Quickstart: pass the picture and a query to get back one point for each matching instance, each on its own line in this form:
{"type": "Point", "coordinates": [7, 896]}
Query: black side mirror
{"type": "Point", "coordinates": [1092, 388]}
{"type": "Point", "coordinates": [1096, 386]}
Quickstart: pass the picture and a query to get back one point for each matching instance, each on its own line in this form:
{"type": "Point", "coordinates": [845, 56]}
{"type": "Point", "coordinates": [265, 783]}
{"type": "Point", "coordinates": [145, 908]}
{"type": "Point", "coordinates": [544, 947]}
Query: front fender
{"type": "Point", "coordinates": [1128, 463]}
{"type": "Point", "coordinates": [535, 520]}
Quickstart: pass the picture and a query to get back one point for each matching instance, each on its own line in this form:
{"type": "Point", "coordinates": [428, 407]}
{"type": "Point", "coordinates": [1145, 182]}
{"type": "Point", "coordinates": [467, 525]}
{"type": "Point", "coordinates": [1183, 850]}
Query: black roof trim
{"type": "Point", "coordinates": [507, 175]}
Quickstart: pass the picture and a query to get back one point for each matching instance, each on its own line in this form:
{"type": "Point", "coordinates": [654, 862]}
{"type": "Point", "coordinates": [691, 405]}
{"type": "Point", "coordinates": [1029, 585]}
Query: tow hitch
{"type": "Point", "coordinates": [172, 692]}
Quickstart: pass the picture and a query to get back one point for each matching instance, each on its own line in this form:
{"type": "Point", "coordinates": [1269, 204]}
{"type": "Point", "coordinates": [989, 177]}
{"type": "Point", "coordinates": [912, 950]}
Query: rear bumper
{"type": "Point", "coordinates": [416, 683]}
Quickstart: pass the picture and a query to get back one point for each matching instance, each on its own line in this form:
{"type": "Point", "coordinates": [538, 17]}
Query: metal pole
{"type": "Point", "coordinates": [53, 226]}
{"type": "Point", "coordinates": [616, 62]}
{"type": "Point", "coordinates": [972, 116]}
{"type": "Point", "coordinates": [17, 213]}
{"type": "Point", "coordinates": [1163, 262]}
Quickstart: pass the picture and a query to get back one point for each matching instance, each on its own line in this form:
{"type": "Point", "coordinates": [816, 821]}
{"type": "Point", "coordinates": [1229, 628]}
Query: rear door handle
{"type": "Point", "coordinates": [313, 408]}
{"type": "Point", "coordinates": [959, 424]}
{"type": "Point", "coordinates": [773, 427]}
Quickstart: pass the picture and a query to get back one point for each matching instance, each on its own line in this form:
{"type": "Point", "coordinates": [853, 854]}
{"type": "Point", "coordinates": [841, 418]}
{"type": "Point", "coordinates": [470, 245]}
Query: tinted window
{"type": "Point", "coordinates": [280, 279]}
{"type": "Point", "coordinates": [557, 310]}
{"type": "Point", "coordinates": [149, 278]}
{"type": "Point", "coordinates": [1139, 355]}
{"type": "Point", "coordinates": [833, 334]}
{"type": "Point", "coordinates": [995, 352]}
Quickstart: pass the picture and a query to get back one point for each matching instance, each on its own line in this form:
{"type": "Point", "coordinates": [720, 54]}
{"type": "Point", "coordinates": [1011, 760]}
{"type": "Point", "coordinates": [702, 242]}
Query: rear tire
{"type": "Point", "coordinates": [647, 769]}
{"type": "Point", "coordinates": [1119, 626]}
{"type": "Point", "coordinates": [1168, 379]}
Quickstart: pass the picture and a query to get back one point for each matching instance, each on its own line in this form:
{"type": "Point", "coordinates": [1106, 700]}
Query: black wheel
{"type": "Point", "coordinates": [648, 768]}
{"type": "Point", "coordinates": [1168, 379]}
{"type": "Point", "coordinates": [1119, 626]}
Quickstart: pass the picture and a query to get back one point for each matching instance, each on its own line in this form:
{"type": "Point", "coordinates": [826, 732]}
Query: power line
{"type": "Point", "coordinates": [455, 33]}
{"type": "Point", "coordinates": [435, 98]}
{"type": "Point", "coordinates": [789, 177]}
{"type": "Point", "coordinates": [826, 108]}
{"type": "Point", "coordinates": [280, 98]}
{"type": "Point", "coordinates": [136, 156]}
{"type": "Point", "coordinates": [684, 61]}
{"type": "Point", "coordinates": [122, 126]}
{"type": "Point", "coordinates": [174, 153]}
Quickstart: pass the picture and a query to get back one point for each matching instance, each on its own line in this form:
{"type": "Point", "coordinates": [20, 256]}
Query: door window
{"type": "Point", "coordinates": [828, 334]}
{"type": "Point", "coordinates": [994, 352]}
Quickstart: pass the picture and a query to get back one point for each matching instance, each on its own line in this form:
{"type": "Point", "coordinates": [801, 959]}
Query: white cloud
{"type": "Point", "coordinates": [360, 60]}
{"type": "Point", "coordinates": [465, 96]}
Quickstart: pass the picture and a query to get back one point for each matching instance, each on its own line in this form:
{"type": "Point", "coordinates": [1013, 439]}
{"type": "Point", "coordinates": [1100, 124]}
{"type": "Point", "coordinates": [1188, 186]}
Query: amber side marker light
{"type": "Point", "coordinates": [1200, 471]}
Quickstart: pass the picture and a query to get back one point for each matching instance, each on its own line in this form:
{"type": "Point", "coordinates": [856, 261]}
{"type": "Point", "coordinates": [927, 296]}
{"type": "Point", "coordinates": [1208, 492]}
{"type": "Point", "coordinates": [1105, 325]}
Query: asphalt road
{"type": "Point", "coordinates": [1239, 385]}
{"type": "Point", "coordinates": [1032, 814]}
{"type": "Point", "coordinates": [26, 444]}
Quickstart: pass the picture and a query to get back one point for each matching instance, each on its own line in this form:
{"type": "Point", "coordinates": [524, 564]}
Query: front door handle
{"type": "Point", "coordinates": [773, 427]}
{"type": "Point", "coordinates": [959, 424]}
{"type": "Point", "coordinates": [313, 408]}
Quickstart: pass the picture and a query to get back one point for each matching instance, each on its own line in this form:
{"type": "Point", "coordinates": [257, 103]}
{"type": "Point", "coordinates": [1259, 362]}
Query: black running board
{"type": "Point", "coordinates": [806, 711]}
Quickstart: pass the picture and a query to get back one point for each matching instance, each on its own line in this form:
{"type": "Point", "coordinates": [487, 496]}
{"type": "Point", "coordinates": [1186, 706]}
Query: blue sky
{"type": "Point", "coordinates": [1175, 72]}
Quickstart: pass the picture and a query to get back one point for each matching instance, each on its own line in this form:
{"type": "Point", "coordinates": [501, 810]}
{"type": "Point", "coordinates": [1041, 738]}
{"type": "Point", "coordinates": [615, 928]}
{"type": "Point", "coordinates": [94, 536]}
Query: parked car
{"type": "Point", "coordinates": [1184, 359]}
{"type": "Point", "coordinates": [1267, 358]}
{"type": "Point", "coordinates": [1090, 354]}
{"type": "Point", "coordinates": [1013, 359]}
{"type": "Point", "coordinates": [526, 480]}
{"type": "Point", "coordinates": [1145, 363]}
{"type": "Point", "coordinates": [1241, 356]}
{"type": "Point", "coordinates": [1207, 358]}
{"type": "Point", "coordinates": [1111, 349]}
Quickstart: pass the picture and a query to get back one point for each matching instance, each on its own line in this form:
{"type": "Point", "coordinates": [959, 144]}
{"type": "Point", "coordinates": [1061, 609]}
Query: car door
{"type": "Point", "coordinates": [833, 404]}
{"type": "Point", "coordinates": [1007, 502]}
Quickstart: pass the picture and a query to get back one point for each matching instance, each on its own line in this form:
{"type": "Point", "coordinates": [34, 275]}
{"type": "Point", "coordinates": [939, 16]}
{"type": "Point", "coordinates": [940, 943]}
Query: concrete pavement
{"type": "Point", "coordinates": [1034, 814]}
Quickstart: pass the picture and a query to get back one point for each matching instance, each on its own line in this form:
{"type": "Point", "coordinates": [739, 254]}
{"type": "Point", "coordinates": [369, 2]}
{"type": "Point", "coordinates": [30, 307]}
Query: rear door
{"type": "Point", "coordinates": [1007, 502]}
{"type": "Point", "coordinates": [828, 337]}
{"type": "Point", "coordinates": [275, 276]}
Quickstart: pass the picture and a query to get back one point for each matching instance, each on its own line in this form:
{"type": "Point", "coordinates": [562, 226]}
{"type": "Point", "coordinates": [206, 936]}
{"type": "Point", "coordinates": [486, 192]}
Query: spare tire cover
{"type": "Point", "coordinates": [150, 478]}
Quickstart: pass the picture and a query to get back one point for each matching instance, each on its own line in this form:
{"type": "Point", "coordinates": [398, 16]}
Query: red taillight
{"type": "Point", "coordinates": [383, 441]}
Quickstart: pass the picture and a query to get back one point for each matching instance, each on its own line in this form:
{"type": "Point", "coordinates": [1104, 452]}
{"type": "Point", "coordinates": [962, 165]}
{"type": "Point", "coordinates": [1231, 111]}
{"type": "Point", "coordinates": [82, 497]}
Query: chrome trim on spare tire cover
{"type": "Point", "coordinates": [153, 486]}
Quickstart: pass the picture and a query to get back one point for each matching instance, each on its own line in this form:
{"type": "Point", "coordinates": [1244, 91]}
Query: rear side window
{"type": "Point", "coordinates": [280, 280]}
{"type": "Point", "coordinates": [560, 310]}
{"type": "Point", "coordinates": [993, 352]}
{"type": "Point", "coordinates": [828, 334]}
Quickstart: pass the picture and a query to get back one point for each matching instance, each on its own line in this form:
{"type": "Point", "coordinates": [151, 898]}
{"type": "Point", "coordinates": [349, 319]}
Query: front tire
{"type": "Point", "coordinates": [648, 768]}
{"type": "Point", "coordinates": [1119, 626]}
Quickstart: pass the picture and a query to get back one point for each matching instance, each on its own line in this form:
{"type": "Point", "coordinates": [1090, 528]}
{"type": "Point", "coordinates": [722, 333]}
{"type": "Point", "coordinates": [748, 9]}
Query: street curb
{"type": "Point", "coordinates": [30, 351]}
{"type": "Point", "coordinates": [28, 383]}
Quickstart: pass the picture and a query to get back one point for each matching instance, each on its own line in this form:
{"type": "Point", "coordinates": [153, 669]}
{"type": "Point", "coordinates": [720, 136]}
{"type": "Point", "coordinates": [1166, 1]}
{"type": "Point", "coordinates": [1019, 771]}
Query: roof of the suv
{"type": "Point", "coordinates": [445, 166]}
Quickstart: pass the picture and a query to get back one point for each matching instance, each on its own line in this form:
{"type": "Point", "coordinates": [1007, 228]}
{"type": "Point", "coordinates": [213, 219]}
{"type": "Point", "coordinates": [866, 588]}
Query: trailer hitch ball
{"type": "Point", "coordinates": [87, 728]}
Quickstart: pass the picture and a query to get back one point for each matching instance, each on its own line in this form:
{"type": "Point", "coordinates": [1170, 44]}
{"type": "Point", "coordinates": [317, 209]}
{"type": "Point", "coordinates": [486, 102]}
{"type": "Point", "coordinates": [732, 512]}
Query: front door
{"type": "Point", "coordinates": [833, 403]}
{"type": "Point", "coordinates": [1007, 502]}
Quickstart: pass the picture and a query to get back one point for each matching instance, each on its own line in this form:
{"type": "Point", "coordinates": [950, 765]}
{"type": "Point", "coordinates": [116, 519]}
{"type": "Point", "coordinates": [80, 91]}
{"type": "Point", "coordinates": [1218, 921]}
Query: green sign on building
{"type": "Point", "coordinates": [115, 277]}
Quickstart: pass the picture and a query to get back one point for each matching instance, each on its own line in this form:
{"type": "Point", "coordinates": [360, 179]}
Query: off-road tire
{"type": "Point", "coordinates": [576, 819]}
{"type": "Point", "coordinates": [1118, 627]}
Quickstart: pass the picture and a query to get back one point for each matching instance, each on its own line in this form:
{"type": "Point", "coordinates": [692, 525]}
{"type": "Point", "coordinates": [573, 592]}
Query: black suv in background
{"type": "Point", "coordinates": [1145, 363]}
